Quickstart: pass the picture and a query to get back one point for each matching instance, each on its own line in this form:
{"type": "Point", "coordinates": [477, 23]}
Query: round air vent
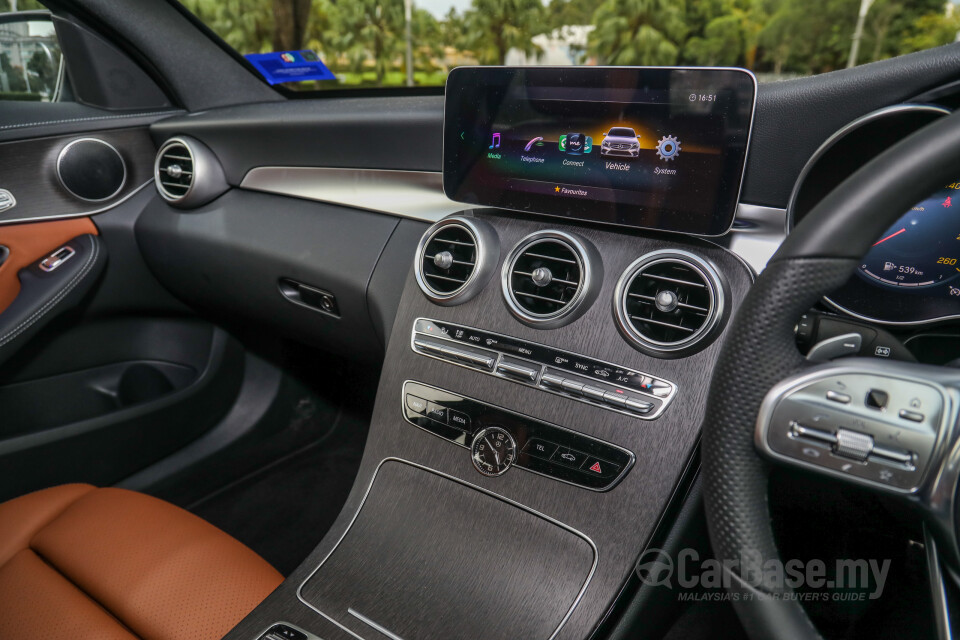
{"type": "Point", "coordinates": [455, 258]}
{"type": "Point", "coordinates": [549, 276]}
{"type": "Point", "coordinates": [187, 173]}
{"type": "Point", "coordinates": [669, 303]}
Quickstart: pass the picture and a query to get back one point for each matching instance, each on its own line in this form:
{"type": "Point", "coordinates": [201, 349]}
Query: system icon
{"type": "Point", "coordinates": [668, 148]}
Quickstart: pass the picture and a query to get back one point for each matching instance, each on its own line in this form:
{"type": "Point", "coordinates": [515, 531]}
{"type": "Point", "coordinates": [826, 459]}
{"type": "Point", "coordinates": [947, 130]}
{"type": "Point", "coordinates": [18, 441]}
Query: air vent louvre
{"type": "Point", "coordinates": [175, 170]}
{"type": "Point", "coordinates": [546, 277]}
{"type": "Point", "coordinates": [455, 258]}
{"type": "Point", "coordinates": [668, 302]}
{"type": "Point", "coordinates": [449, 259]}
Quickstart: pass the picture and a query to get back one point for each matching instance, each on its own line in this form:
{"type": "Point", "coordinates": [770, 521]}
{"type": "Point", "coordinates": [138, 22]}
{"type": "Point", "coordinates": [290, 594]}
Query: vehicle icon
{"type": "Point", "coordinates": [622, 142]}
{"type": "Point", "coordinates": [575, 144]}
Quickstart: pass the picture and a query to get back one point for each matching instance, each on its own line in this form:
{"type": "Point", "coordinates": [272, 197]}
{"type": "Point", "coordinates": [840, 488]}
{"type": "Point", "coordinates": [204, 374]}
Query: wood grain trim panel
{"type": "Point", "coordinates": [30, 242]}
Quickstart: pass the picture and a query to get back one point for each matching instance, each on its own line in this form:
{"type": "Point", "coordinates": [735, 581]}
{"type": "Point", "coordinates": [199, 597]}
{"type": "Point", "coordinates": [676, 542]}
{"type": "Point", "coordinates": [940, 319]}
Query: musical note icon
{"type": "Point", "coordinates": [495, 143]}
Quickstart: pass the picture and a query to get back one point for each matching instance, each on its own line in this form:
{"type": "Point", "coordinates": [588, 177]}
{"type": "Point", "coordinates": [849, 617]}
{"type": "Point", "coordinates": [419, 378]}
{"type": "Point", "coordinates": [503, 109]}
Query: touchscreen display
{"type": "Point", "coordinates": [657, 148]}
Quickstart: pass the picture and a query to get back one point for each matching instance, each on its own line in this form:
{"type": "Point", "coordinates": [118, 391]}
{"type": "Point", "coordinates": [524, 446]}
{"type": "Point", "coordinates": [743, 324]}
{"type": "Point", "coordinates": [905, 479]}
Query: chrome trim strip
{"type": "Point", "coordinates": [418, 195]}
{"type": "Point", "coordinates": [123, 181]}
{"type": "Point", "coordinates": [576, 601]}
{"type": "Point", "coordinates": [409, 194]}
{"type": "Point", "coordinates": [367, 621]}
{"type": "Point", "coordinates": [613, 483]}
{"type": "Point", "coordinates": [80, 214]}
{"type": "Point", "coordinates": [938, 591]}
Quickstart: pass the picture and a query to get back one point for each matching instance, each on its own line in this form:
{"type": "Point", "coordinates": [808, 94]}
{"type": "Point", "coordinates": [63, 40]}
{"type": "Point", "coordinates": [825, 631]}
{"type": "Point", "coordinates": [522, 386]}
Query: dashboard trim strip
{"type": "Point", "coordinates": [566, 527]}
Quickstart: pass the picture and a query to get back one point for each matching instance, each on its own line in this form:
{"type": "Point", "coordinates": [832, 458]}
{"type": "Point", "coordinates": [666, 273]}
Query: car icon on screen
{"type": "Point", "coordinates": [622, 142]}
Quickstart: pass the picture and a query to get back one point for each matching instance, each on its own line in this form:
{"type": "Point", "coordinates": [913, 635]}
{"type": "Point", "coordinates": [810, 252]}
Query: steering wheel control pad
{"type": "Point", "coordinates": [866, 424]}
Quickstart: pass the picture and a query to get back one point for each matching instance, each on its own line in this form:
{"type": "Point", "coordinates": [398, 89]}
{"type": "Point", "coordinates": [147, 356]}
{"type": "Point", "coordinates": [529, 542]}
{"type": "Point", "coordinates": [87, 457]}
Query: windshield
{"type": "Point", "coordinates": [337, 44]}
{"type": "Point", "coordinates": [620, 132]}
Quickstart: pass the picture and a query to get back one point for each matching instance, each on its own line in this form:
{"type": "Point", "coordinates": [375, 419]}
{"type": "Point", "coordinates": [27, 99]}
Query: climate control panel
{"type": "Point", "coordinates": [582, 378]}
{"type": "Point", "coordinates": [499, 439]}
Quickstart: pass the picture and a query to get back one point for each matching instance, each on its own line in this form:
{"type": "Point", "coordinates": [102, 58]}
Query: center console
{"type": "Point", "coordinates": [538, 410]}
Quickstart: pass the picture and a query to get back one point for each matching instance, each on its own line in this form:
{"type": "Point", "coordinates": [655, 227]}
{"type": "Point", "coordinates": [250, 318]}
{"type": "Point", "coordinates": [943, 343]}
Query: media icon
{"type": "Point", "coordinates": [495, 141]}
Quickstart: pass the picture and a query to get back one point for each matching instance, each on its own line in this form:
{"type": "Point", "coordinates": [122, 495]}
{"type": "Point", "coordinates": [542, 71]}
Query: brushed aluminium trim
{"type": "Point", "coordinates": [418, 195]}
{"type": "Point", "coordinates": [79, 214]}
{"type": "Point", "coordinates": [746, 153]}
{"type": "Point", "coordinates": [565, 527]}
{"type": "Point", "coordinates": [409, 194]}
{"type": "Point", "coordinates": [613, 483]}
{"type": "Point", "coordinates": [665, 401]}
{"type": "Point", "coordinates": [370, 623]}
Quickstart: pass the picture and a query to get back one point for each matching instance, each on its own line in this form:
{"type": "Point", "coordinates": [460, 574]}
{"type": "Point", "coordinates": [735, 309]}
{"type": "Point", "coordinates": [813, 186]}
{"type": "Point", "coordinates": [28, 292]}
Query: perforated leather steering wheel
{"type": "Point", "coordinates": [769, 406]}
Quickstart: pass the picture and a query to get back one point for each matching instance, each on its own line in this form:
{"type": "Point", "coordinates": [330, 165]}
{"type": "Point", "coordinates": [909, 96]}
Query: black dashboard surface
{"type": "Point", "coordinates": [792, 119]}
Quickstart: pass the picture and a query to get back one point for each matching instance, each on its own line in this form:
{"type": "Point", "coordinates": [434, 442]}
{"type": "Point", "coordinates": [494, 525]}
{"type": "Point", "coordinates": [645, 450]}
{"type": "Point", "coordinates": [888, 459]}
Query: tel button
{"type": "Point", "coordinates": [540, 448]}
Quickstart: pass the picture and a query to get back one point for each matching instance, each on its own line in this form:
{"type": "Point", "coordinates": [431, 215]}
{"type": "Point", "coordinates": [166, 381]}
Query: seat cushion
{"type": "Point", "coordinates": [78, 562]}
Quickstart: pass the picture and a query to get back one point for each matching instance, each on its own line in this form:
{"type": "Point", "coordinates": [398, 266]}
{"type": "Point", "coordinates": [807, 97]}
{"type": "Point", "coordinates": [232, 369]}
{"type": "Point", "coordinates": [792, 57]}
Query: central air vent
{"type": "Point", "coordinates": [174, 170]}
{"type": "Point", "coordinates": [455, 259]}
{"type": "Point", "coordinates": [187, 174]}
{"type": "Point", "coordinates": [549, 276]}
{"type": "Point", "coordinates": [669, 302]}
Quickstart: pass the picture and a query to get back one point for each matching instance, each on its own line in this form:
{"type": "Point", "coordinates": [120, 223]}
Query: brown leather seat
{"type": "Point", "coordinates": [81, 563]}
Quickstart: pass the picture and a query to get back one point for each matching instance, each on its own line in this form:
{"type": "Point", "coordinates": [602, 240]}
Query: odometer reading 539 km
{"type": "Point", "coordinates": [923, 247]}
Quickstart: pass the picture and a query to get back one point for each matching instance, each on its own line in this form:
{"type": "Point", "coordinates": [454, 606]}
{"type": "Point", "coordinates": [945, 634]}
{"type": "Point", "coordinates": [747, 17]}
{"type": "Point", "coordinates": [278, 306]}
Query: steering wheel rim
{"type": "Point", "coordinates": [819, 256]}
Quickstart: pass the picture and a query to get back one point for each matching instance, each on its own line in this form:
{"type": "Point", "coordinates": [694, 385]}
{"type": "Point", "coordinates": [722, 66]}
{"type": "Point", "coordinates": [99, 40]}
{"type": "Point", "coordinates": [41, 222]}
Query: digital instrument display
{"type": "Point", "coordinates": [657, 148]}
{"type": "Point", "coordinates": [916, 262]}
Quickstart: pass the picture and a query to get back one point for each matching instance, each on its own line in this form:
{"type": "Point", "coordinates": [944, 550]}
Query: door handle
{"type": "Point", "coordinates": [48, 287]}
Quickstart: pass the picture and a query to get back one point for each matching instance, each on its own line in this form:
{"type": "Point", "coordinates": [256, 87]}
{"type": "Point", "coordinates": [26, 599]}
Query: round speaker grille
{"type": "Point", "coordinates": [91, 169]}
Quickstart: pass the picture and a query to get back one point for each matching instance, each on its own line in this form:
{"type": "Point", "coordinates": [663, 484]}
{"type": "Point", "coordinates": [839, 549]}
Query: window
{"type": "Point", "coordinates": [384, 43]}
{"type": "Point", "coordinates": [31, 65]}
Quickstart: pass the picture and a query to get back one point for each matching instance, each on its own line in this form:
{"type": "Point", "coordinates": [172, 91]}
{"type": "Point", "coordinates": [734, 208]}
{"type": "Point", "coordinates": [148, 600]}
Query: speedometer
{"type": "Point", "coordinates": [922, 249]}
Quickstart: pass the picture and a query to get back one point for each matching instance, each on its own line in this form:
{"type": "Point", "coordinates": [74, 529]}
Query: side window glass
{"type": "Point", "coordinates": [31, 63]}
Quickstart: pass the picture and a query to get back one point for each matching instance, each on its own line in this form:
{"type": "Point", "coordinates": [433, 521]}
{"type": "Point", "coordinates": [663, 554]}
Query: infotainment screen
{"type": "Point", "coordinates": [659, 148]}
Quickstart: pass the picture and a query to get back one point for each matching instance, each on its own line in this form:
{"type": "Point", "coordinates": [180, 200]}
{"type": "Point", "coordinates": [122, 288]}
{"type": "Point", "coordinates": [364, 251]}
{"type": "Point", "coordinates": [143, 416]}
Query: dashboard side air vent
{"type": "Point", "coordinates": [187, 174]}
{"type": "Point", "coordinates": [550, 277]}
{"type": "Point", "coordinates": [455, 259]}
{"type": "Point", "coordinates": [669, 303]}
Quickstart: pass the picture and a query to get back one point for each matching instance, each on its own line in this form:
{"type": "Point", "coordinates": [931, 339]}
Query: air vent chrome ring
{"type": "Point", "coordinates": [550, 278]}
{"type": "Point", "coordinates": [676, 317]}
{"type": "Point", "coordinates": [455, 259]}
{"type": "Point", "coordinates": [187, 173]}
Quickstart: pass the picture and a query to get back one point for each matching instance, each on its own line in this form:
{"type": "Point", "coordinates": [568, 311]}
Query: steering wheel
{"type": "Point", "coordinates": [885, 425]}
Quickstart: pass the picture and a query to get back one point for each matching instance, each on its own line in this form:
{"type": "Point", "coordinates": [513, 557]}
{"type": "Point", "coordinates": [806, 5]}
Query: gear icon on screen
{"type": "Point", "coordinates": [668, 148]}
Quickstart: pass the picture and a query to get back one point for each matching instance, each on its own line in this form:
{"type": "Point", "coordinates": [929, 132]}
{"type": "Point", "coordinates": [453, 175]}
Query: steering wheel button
{"type": "Point", "coordinates": [877, 399]}
{"type": "Point", "coordinates": [912, 416]}
{"type": "Point", "coordinates": [800, 431]}
{"type": "Point", "coordinates": [852, 444]}
{"type": "Point", "coordinates": [836, 396]}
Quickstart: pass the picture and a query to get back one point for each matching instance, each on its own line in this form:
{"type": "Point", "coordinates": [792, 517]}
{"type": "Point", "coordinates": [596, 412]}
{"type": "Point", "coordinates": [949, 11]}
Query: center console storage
{"type": "Point", "coordinates": [429, 556]}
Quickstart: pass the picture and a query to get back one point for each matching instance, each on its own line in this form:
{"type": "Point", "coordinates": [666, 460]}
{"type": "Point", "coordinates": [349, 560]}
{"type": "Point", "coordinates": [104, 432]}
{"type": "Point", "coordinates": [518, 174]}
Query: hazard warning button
{"type": "Point", "coordinates": [602, 468]}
